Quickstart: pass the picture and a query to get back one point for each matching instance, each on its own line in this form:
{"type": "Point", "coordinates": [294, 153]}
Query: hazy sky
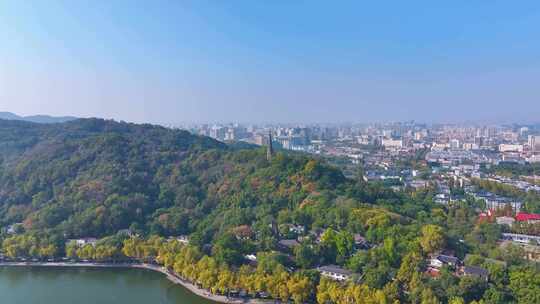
{"type": "Point", "coordinates": [284, 61]}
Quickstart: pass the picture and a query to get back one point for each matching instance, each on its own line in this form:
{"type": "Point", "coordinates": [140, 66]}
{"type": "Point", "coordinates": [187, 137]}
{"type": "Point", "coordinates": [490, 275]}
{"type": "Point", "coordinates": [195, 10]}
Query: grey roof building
{"type": "Point", "coordinates": [335, 272]}
{"type": "Point", "coordinates": [475, 271]}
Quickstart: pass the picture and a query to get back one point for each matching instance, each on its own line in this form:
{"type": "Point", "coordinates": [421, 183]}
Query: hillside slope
{"type": "Point", "coordinates": [92, 177]}
{"type": "Point", "coordinates": [89, 174]}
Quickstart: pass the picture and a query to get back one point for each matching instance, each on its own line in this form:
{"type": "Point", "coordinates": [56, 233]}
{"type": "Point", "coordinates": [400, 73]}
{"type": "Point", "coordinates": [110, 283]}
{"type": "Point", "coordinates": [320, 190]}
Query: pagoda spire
{"type": "Point", "coordinates": [269, 149]}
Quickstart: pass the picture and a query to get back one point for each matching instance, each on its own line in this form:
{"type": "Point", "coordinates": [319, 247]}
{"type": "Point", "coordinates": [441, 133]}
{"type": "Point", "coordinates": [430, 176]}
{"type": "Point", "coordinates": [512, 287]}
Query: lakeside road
{"type": "Point", "coordinates": [186, 284]}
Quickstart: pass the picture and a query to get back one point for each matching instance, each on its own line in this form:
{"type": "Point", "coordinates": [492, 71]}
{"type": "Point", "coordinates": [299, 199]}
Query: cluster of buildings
{"type": "Point", "coordinates": [438, 261]}
{"type": "Point", "coordinates": [528, 242]}
{"type": "Point", "coordinates": [507, 142]}
{"type": "Point", "coordinates": [291, 236]}
{"type": "Point", "coordinates": [463, 148]}
{"type": "Point", "coordinates": [517, 183]}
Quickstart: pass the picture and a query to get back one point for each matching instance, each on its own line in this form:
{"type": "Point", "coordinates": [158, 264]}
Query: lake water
{"type": "Point", "coordinates": [44, 285]}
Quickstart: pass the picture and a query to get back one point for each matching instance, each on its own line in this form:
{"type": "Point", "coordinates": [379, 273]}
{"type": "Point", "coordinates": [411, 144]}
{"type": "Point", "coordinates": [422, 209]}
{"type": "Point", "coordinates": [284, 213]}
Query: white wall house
{"type": "Point", "coordinates": [521, 238]}
{"type": "Point", "coordinates": [335, 272]}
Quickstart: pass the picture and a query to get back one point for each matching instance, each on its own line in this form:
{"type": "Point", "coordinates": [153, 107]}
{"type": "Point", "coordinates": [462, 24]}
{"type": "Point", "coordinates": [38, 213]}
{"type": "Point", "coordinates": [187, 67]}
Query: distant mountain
{"type": "Point", "coordinates": [36, 118]}
{"type": "Point", "coordinates": [10, 116]}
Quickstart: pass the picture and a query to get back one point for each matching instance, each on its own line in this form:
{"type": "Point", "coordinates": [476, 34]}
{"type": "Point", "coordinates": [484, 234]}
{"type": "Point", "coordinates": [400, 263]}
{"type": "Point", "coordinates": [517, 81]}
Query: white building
{"type": "Point", "coordinates": [335, 272]}
{"type": "Point", "coordinates": [12, 229]}
{"type": "Point", "coordinates": [439, 146]}
{"type": "Point", "coordinates": [392, 143]}
{"type": "Point", "coordinates": [470, 146]}
{"type": "Point", "coordinates": [438, 261]}
{"type": "Point", "coordinates": [505, 220]}
{"type": "Point", "coordinates": [181, 239]}
{"type": "Point", "coordinates": [83, 242]}
{"type": "Point", "coordinates": [455, 144]}
{"type": "Point", "coordinates": [251, 257]}
{"type": "Point", "coordinates": [534, 143]}
{"type": "Point", "coordinates": [510, 148]}
{"type": "Point", "coordinates": [534, 158]}
{"type": "Point", "coordinates": [496, 203]}
{"type": "Point", "coordinates": [521, 238]}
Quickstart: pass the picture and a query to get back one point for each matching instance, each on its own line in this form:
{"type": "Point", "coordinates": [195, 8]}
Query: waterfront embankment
{"type": "Point", "coordinates": [170, 276]}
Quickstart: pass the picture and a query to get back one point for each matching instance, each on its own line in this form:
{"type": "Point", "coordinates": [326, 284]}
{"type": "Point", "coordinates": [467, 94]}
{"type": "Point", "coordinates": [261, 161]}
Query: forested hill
{"type": "Point", "coordinates": [18, 137]}
{"type": "Point", "coordinates": [92, 177]}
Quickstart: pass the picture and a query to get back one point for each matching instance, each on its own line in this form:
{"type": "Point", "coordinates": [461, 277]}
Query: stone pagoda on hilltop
{"type": "Point", "coordinates": [269, 149]}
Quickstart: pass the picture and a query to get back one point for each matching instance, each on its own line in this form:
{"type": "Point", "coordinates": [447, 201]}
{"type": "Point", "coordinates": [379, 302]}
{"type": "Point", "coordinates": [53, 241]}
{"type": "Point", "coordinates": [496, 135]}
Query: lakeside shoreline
{"type": "Point", "coordinates": [171, 277]}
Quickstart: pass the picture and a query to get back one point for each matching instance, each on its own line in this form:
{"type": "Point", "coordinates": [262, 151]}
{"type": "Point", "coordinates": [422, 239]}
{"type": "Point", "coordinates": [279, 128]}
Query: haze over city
{"type": "Point", "coordinates": [285, 61]}
{"type": "Point", "coordinates": [270, 151]}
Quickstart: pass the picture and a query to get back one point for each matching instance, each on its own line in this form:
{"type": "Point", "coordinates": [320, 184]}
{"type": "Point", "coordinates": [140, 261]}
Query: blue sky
{"type": "Point", "coordinates": [272, 61]}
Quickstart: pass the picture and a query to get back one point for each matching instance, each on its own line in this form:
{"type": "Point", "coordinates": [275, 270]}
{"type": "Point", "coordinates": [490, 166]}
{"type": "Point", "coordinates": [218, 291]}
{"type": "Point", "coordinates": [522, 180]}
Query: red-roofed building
{"type": "Point", "coordinates": [433, 272]}
{"type": "Point", "coordinates": [528, 217]}
{"type": "Point", "coordinates": [484, 217]}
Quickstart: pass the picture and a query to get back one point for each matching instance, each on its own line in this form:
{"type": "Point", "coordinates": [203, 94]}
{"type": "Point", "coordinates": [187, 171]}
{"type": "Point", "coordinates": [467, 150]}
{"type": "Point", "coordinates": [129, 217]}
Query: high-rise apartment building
{"type": "Point", "coordinates": [534, 143]}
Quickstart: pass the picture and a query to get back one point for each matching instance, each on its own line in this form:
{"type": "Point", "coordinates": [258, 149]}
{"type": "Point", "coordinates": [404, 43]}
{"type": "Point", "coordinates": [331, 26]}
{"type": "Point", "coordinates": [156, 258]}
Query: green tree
{"type": "Point", "coordinates": [433, 238]}
{"type": "Point", "coordinates": [305, 255]}
{"type": "Point", "coordinates": [525, 285]}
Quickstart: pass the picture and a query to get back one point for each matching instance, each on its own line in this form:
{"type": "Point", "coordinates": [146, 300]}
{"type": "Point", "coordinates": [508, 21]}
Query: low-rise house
{"type": "Point", "coordinates": [530, 218]}
{"type": "Point", "coordinates": [335, 272]}
{"type": "Point", "coordinates": [497, 202]}
{"type": "Point", "coordinates": [287, 245]}
{"type": "Point", "coordinates": [418, 184]}
{"type": "Point", "coordinates": [316, 235]}
{"type": "Point", "coordinates": [524, 239]}
{"type": "Point", "coordinates": [263, 294]}
{"type": "Point", "coordinates": [184, 239]}
{"type": "Point", "coordinates": [250, 257]}
{"type": "Point", "coordinates": [298, 229]}
{"type": "Point", "coordinates": [484, 217]}
{"type": "Point", "coordinates": [475, 271]}
{"type": "Point", "coordinates": [83, 242]}
{"type": "Point", "coordinates": [433, 272]}
{"type": "Point", "coordinates": [243, 232]}
{"type": "Point", "coordinates": [126, 232]}
{"type": "Point", "coordinates": [438, 261]}
{"type": "Point", "coordinates": [505, 220]}
{"type": "Point", "coordinates": [442, 199]}
{"type": "Point", "coordinates": [14, 228]}
{"type": "Point", "coordinates": [456, 198]}
{"type": "Point", "coordinates": [360, 242]}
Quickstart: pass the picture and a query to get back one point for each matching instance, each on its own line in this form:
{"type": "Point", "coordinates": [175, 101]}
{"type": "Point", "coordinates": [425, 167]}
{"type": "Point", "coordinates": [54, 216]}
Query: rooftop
{"type": "Point", "coordinates": [335, 269]}
{"type": "Point", "coordinates": [474, 270]}
{"type": "Point", "coordinates": [447, 259]}
{"type": "Point", "coordinates": [289, 243]}
{"type": "Point", "coordinates": [523, 217]}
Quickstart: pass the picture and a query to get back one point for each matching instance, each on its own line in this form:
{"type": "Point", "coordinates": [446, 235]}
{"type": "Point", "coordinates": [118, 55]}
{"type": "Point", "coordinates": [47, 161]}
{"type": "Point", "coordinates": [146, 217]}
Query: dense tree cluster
{"type": "Point", "coordinates": [29, 246]}
{"type": "Point", "coordinates": [98, 253]}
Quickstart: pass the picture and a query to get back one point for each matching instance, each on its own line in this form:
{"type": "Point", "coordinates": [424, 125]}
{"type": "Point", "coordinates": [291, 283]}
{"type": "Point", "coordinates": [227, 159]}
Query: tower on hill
{"type": "Point", "coordinates": [269, 149]}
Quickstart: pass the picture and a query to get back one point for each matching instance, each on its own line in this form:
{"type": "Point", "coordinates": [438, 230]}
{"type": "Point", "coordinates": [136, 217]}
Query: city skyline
{"type": "Point", "coordinates": [280, 62]}
{"type": "Point", "coordinates": [471, 122]}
